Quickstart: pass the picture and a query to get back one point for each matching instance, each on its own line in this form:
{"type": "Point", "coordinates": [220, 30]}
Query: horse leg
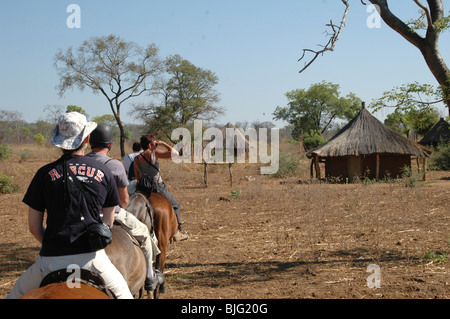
{"type": "Point", "coordinates": [165, 225]}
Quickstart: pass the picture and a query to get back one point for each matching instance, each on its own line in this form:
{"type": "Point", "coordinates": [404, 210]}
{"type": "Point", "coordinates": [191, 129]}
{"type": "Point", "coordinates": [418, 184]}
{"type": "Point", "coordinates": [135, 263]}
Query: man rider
{"type": "Point", "coordinates": [64, 242]}
{"type": "Point", "coordinates": [101, 143]}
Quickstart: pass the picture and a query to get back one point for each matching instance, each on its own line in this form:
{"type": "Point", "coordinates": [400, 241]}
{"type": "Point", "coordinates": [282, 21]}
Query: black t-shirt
{"type": "Point", "coordinates": [65, 205]}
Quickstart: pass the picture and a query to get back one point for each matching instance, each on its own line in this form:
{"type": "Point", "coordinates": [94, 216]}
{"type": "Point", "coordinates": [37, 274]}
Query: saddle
{"type": "Point", "coordinates": [87, 277]}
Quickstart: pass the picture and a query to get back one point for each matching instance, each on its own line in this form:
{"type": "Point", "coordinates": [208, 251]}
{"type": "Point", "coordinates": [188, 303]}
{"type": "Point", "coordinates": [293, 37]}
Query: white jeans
{"type": "Point", "coordinates": [97, 262]}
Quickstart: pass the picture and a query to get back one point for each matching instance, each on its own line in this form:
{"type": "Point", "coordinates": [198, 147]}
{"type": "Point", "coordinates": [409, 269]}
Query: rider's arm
{"type": "Point", "coordinates": [35, 224]}
{"type": "Point", "coordinates": [108, 215]}
{"type": "Point", "coordinates": [165, 154]}
{"type": "Point", "coordinates": [124, 197]}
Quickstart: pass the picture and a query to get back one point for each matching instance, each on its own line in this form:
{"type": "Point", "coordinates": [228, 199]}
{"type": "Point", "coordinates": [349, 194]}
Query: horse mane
{"type": "Point", "coordinates": [149, 210]}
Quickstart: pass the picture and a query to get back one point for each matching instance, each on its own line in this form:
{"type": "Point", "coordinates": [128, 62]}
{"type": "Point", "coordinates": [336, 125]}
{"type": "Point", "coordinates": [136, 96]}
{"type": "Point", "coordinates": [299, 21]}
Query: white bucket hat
{"type": "Point", "coordinates": [71, 130]}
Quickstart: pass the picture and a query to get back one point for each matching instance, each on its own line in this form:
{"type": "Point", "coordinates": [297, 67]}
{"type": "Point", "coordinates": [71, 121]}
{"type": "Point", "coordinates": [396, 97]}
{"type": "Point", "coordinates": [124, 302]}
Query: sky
{"type": "Point", "coordinates": [253, 46]}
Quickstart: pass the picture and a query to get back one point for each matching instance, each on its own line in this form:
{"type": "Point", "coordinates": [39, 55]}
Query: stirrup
{"type": "Point", "coordinates": [151, 284]}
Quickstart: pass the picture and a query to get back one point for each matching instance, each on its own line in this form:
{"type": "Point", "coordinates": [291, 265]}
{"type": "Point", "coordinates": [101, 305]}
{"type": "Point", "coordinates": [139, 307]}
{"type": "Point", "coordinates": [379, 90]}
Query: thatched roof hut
{"type": "Point", "coordinates": [439, 133]}
{"type": "Point", "coordinates": [365, 147]}
{"type": "Point", "coordinates": [238, 138]}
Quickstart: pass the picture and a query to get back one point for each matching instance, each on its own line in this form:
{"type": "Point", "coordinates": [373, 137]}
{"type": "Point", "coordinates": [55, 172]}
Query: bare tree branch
{"type": "Point", "coordinates": [427, 12]}
{"type": "Point", "coordinates": [334, 37]}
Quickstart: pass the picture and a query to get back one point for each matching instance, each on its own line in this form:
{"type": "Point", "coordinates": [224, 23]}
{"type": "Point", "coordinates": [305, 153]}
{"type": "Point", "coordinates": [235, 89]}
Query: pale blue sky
{"type": "Point", "coordinates": [252, 46]}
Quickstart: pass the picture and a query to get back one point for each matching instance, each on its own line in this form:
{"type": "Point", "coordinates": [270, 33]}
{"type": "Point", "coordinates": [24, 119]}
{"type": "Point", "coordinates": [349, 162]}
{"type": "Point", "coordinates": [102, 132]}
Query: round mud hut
{"type": "Point", "coordinates": [365, 147]}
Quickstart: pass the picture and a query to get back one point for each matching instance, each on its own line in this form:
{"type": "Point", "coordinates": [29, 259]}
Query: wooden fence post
{"type": "Point", "coordinates": [205, 177]}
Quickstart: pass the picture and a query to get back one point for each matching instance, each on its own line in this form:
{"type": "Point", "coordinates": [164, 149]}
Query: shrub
{"type": "Point", "coordinates": [288, 165]}
{"type": "Point", "coordinates": [40, 139]}
{"type": "Point", "coordinates": [25, 155]}
{"type": "Point", "coordinates": [431, 256]}
{"type": "Point", "coordinates": [235, 194]}
{"type": "Point", "coordinates": [409, 179]}
{"type": "Point", "coordinates": [5, 152]}
{"type": "Point", "coordinates": [313, 139]}
{"type": "Point", "coordinates": [441, 158]}
{"type": "Point", "coordinates": [6, 185]}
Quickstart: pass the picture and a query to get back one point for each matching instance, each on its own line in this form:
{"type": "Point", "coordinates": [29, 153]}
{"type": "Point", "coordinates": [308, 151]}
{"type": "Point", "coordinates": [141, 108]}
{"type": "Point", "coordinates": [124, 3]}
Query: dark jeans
{"type": "Point", "coordinates": [176, 207]}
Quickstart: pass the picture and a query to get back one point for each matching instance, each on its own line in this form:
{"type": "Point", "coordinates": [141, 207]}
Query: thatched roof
{"type": "Point", "coordinates": [439, 133]}
{"type": "Point", "coordinates": [366, 135]}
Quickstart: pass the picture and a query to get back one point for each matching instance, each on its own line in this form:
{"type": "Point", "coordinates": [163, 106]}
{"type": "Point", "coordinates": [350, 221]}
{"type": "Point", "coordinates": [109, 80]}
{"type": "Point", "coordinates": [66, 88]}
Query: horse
{"type": "Point", "coordinates": [55, 285]}
{"type": "Point", "coordinates": [165, 227]}
{"type": "Point", "coordinates": [62, 291]}
{"type": "Point", "coordinates": [126, 256]}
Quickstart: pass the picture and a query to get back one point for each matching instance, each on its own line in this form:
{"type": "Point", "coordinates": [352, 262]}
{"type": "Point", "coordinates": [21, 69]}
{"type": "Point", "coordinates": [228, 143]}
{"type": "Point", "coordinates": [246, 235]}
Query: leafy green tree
{"type": "Point", "coordinates": [106, 118]}
{"type": "Point", "coordinates": [185, 94]}
{"type": "Point", "coordinates": [313, 139]}
{"type": "Point", "coordinates": [118, 69]}
{"type": "Point", "coordinates": [408, 120]}
{"type": "Point", "coordinates": [74, 108]}
{"type": "Point", "coordinates": [315, 109]}
{"type": "Point", "coordinates": [413, 105]}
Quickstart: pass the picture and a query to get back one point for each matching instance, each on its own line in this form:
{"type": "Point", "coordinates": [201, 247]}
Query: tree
{"type": "Point", "coordinates": [186, 95]}
{"type": "Point", "coordinates": [413, 104]}
{"type": "Point", "coordinates": [11, 124]}
{"type": "Point", "coordinates": [118, 69]}
{"type": "Point", "coordinates": [432, 20]}
{"type": "Point", "coordinates": [315, 109]}
{"type": "Point", "coordinates": [53, 112]}
{"type": "Point", "coordinates": [419, 121]}
{"type": "Point", "coordinates": [74, 108]}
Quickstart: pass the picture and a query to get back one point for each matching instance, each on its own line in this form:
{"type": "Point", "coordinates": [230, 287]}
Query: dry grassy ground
{"type": "Point", "coordinates": [277, 238]}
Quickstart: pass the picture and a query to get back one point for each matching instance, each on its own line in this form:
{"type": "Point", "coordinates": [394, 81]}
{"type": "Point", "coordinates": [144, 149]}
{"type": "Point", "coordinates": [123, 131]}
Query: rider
{"type": "Point", "coordinates": [147, 164]}
{"type": "Point", "coordinates": [101, 143]}
{"type": "Point", "coordinates": [63, 240]}
{"type": "Point", "coordinates": [129, 158]}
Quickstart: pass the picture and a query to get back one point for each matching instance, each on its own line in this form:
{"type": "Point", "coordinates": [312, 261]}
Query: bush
{"type": "Point", "coordinates": [441, 157]}
{"type": "Point", "coordinates": [40, 139]}
{"type": "Point", "coordinates": [288, 165]}
{"type": "Point", "coordinates": [5, 152]}
{"type": "Point", "coordinates": [6, 185]}
{"type": "Point", "coordinates": [313, 139]}
{"type": "Point", "coordinates": [409, 179]}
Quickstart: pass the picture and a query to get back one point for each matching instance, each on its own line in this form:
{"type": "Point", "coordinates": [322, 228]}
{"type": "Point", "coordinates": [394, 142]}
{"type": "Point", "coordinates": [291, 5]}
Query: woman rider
{"type": "Point", "coordinates": [147, 164]}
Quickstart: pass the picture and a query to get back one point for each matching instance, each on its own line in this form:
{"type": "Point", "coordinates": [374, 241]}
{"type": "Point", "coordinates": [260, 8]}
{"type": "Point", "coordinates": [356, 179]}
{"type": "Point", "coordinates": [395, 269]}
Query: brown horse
{"type": "Point", "coordinates": [62, 291]}
{"type": "Point", "coordinates": [165, 226]}
{"type": "Point", "coordinates": [127, 256]}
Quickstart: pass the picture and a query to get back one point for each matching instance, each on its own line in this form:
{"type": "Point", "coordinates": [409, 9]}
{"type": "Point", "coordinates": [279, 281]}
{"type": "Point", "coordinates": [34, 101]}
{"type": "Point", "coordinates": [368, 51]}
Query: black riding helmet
{"type": "Point", "coordinates": [101, 136]}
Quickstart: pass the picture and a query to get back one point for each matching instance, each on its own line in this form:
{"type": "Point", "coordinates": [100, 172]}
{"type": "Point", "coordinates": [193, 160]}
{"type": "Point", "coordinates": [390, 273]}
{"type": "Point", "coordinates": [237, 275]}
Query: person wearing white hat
{"type": "Point", "coordinates": [52, 190]}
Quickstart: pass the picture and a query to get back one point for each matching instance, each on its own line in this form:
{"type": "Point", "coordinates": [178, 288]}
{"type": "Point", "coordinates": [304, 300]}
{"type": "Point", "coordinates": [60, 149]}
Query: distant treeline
{"type": "Point", "coordinates": [14, 130]}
